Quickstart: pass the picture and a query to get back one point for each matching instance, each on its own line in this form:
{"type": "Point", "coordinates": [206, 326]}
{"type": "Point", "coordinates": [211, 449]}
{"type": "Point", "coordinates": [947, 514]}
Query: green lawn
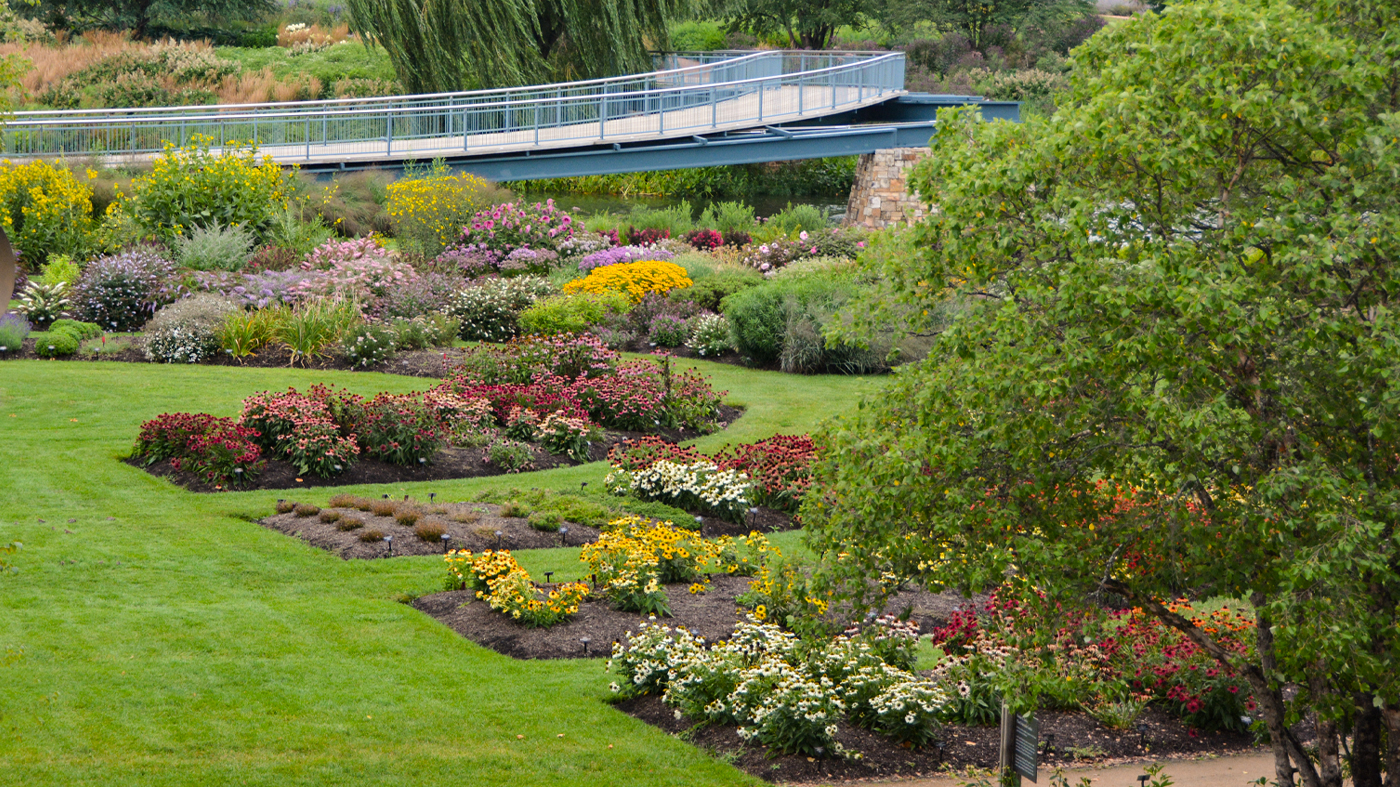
{"type": "Point", "coordinates": [166, 639]}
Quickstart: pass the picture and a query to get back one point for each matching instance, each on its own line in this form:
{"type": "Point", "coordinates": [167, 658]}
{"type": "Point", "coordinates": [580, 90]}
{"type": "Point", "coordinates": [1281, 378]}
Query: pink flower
{"type": "Point", "coordinates": [802, 235]}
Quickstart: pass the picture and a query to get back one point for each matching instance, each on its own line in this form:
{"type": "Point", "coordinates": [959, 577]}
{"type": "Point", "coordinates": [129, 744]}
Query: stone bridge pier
{"type": "Point", "coordinates": [880, 197]}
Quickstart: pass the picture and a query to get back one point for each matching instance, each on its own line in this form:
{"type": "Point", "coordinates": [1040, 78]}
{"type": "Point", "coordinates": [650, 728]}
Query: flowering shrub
{"type": "Point", "coordinates": [709, 335]}
{"type": "Point", "coordinates": [490, 310]}
{"type": "Point", "coordinates": [469, 259]}
{"type": "Point", "coordinates": [775, 254]}
{"type": "Point", "coordinates": [583, 244]}
{"type": "Point", "coordinates": [782, 692]}
{"type": "Point", "coordinates": [121, 292]}
{"type": "Point", "coordinates": [563, 434]}
{"type": "Point", "coordinates": [780, 467]}
{"type": "Point", "coordinates": [509, 455]}
{"type": "Point", "coordinates": [620, 254]}
{"type": "Point", "coordinates": [705, 240]}
{"type": "Point", "coordinates": [635, 557]}
{"type": "Point", "coordinates": [429, 212]}
{"type": "Point", "coordinates": [643, 452]}
{"type": "Point", "coordinates": [262, 290]}
{"type": "Point", "coordinates": [302, 429]}
{"type": "Point", "coordinates": [354, 268]}
{"type": "Point", "coordinates": [187, 331]}
{"type": "Point", "coordinates": [317, 447]}
{"type": "Point", "coordinates": [215, 449]}
{"type": "Point", "coordinates": [499, 580]}
{"type": "Point", "coordinates": [427, 294]}
{"type": "Point", "coordinates": [191, 186]}
{"type": "Point", "coordinates": [399, 429]}
{"type": "Point", "coordinates": [511, 226]}
{"type": "Point", "coordinates": [696, 486]}
{"type": "Point", "coordinates": [528, 260]}
{"type": "Point", "coordinates": [668, 331]}
{"type": "Point", "coordinates": [636, 279]}
{"type": "Point", "coordinates": [646, 237]}
{"type": "Point", "coordinates": [45, 210]}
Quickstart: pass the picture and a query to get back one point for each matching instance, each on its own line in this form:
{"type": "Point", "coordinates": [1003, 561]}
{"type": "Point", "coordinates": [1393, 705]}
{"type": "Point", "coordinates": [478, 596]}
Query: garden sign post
{"type": "Point", "coordinates": [1020, 747]}
{"type": "Point", "coordinates": [7, 272]}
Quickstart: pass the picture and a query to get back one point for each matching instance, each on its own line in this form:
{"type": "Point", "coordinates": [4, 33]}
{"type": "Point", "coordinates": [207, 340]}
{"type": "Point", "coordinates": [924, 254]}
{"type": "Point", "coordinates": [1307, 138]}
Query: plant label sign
{"type": "Point", "coordinates": [1027, 752]}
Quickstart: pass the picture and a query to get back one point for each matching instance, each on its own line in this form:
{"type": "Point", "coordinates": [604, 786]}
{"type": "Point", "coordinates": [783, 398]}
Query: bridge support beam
{"type": "Point", "coordinates": [880, 196]}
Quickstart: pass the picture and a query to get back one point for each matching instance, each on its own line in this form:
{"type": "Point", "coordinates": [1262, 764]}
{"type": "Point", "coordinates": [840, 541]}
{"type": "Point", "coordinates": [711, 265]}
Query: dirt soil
{"type": "Point", "coordinates": [450, 462]}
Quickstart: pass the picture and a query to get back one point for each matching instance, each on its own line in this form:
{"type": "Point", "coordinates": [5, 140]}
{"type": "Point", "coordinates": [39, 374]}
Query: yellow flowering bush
{"type": "Point", "coordinates": [428, 213]}
{"type": "Point", "coordinates": [636, 279]}
{"type": "Point", "coordinates": [635, 557]}
{"type": "Point", "coordinates": [192, 186]}
{"type": "Point", "coordinates": [47, 210]}
{"type": "Point", "coordinates": [501, 582]}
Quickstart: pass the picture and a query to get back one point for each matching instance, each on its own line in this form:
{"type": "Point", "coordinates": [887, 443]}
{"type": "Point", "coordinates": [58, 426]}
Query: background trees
{"type": "Point", "coordinates": [139, 15]}
{"type": "Point", "coordinates": [1172, 366]}
{"type": "Point", "coordinates": [443, 45]}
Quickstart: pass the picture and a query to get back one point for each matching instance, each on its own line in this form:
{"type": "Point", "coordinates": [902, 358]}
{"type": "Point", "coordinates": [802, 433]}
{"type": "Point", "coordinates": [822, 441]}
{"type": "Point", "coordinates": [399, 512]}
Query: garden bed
{"type": "Point", "coordinates": [1078, 738]}
{"type": "Point", "coordinates": [476, 535]}
{"type": "Point", "coordinates": [449, 463]}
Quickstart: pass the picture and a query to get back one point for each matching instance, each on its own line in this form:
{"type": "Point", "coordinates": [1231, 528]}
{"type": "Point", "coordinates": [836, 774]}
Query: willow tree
{"type": "Point", "coordinates": [444, 45]}
{"type": "Point", "coordinates": [1182, 286]}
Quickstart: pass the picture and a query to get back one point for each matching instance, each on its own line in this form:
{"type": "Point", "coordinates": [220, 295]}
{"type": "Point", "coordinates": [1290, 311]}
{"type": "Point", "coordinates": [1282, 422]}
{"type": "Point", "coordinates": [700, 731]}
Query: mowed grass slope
{"type": "Point", "coordinates": [164, 639]}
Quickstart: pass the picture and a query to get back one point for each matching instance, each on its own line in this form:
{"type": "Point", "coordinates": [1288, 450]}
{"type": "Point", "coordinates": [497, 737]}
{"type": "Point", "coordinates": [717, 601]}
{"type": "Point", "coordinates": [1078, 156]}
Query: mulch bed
{"type": "Point", "coordinates": [1074, 737]}
{"type": "Point", "coordinates": [471, 525]}
{"type": "Point", "coordinates": [449, 463]}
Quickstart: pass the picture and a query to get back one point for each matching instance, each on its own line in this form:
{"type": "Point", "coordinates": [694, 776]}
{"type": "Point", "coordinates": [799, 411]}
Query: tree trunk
{"type": "Point", "coordinates": [1392, 765]}
{"type": "Point", "coordinates": [1366, 746]}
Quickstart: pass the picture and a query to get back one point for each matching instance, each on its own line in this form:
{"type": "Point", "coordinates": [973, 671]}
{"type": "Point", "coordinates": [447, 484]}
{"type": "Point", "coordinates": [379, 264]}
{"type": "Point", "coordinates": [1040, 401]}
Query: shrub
{"type": "Point", "coordinates": [571, 313]}
{"type": "Point", "coordinates": [306, 509]}
{"type": "Point", "coordinates": [469, 259]}
{"type": "Point", "coordinates": [289, 230]}
{"type": "Point", "coordinates": [562, 434]}
{"type": "Point", "coordinates": [55, 344]}
{"type": "Point", "coordinates": [728, 218]}
{"type": "Point", "coordinates": [371, 536]}
{"type": "Point", "coordinates": [510, 456]}
{"type": "Point", "coordinates": [635, 279]}
{"type": "Point", "coordinates": [123, 291]}
{"type": "Point", "coordinates": [356, 269]}
{"type": "Point", "coordinates": [13, 330]}
{"type": "Point", "coordinates": [489, 309]}
{"type": "Point", "coordinates": [330, 516]}
{"type": "Point", "coordinates": [429, 212]}
{"type": "Point", "coordinates": [668, 331]}
{"type": "Point", "coordinates": [285, 506]}
{"type": "Point", "coordinates": [709, 293]}
{"type": "Point", "coordinates": [60, 269]}
{"type": "Point", "coordinates": [43, 303]}
{"type": "Point", "coordinates": [214, 248]}
{"type": "Point", "coordinates": [348, 523]}
{"type": "Point", "coordinates": [694, 486]}
{"type": "Point", "coordinates": [515, 509]}
{"type": "Point", "coordinates": [187, 331]}
{"type": "Point", "coordinates": [710, 335]}
{"type": "Point", "coordinates": [548, 522]}
{"type": "Point", "coordinates": [705, 240]}
{"type": "Point", "coordinates": [317, 447]}
{"type": "Point", "coordinates": [798, 218]}
{"type": "Point", "coordinates": [214, 449]}
{"type": "Point", "coordinates": [368, 344]}
{"type": "Point", "coordinates": [434, 330]}
{"type": "Point", "coordinates": [269, 257]}
{"type": "Point", "coordinates": [45, 210]}
{"type": "Point", "coordinates": [737, 240]}
{"type": "Point", "coordinates": [620, 254]}
{"type": "Point", "coordinates": [430, 531]}
{"type": "Point", "coordinates": [191, 187]}
{"type": "Point", "coordinates": [261, 290]}
{"type": "Point", "coordinates": [399, 429]}
{"type": "Point", "coordinates": [428, 294]}
{"type": "Point", "coordinates": [511, 226]}
{"type": "Point", "coordinates": [781, 322]}
{"type": "Point", "coordinates": [646, 237]}
{"type": "Point", "coordinates": [82, 330]}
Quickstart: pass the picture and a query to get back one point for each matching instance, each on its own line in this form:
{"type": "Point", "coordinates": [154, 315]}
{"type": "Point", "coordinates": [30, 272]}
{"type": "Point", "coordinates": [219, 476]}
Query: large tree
{"type": "Point", "coordinates": [1177, 288]}
{"type": "Point", "coordinates": [445, 45]}
{"type": "Point", "coordinates": [139, 15]}
{"type": "Point", "coordinates": [806, 24]}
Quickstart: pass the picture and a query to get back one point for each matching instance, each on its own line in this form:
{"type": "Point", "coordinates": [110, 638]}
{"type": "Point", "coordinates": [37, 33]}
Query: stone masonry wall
{"type": "Point", "coordinates": [878, 198]}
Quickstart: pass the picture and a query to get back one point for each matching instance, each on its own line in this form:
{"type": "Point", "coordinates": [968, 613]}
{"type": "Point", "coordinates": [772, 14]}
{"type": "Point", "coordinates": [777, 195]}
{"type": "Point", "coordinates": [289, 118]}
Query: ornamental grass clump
{"type": "Point", "coordinates": [285, 506]}
{"type": "Point", "coordinates": [329, 517]}
{"type": "Point", "coordinates": [430, 531]}
{"type": "Point", "coordinates": [408, 515]}
{"type": "Point", "coordinates": [349, 523]}
{"type": "Point", "coordinates": [371, 536]}
{"type": "Point", "coordinates": [306, 510]}
{"type": "Point", "coordinates": [383, 507]}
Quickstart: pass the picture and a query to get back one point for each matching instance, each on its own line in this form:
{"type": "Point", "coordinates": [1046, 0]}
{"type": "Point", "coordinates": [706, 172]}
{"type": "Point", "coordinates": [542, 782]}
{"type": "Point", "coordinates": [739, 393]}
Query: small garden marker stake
{"type": "Point", "coordinates": [1143, 778]}
{"type": "Point", "coordinates": [547, 575]}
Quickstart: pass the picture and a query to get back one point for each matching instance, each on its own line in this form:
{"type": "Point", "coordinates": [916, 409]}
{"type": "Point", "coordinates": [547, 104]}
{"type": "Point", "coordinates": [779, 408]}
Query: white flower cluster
{"type": "Point", "coordinates": [785, 696]}
{"type": "Point", "coordinates": [692, 486]}
{"type": "Point", "coordinates": [709, 335]}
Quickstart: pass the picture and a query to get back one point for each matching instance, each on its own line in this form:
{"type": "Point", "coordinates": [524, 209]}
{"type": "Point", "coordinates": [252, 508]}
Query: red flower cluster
{"type": "Point", "coordinates": [705, 240]}
{"type": "Point", "coordinates": [643, 452]}
{"type": "Point", "coordinates": [215, 449]}
{"type": "Point", "coordinates": [781, 468]}
{"type": "Point", "coordinates": [636, 237]}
